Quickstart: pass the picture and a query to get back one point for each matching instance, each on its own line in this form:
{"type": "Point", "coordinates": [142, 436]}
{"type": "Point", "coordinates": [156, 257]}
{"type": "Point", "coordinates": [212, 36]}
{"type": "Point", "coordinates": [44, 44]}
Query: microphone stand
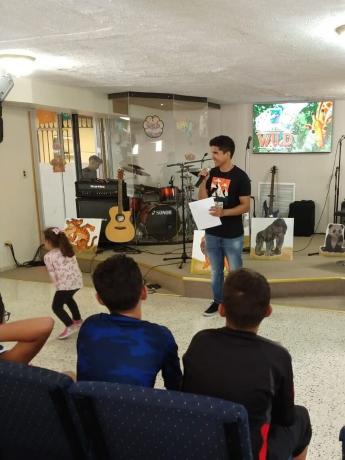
{"type": "Point", "coordinates": [184, 257]}
{"type": "Point", "coordinates": [337, 184]}
{"type": "Point", "coordinates": [247, 249]}
{"type": "Point", "coordinates": [246, 155]}
{"type": "Point", "coordinates": [336, 213]}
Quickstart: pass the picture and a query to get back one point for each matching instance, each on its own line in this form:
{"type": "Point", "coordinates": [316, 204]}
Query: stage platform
{"type": "Point", "coordinates": [305, 277]}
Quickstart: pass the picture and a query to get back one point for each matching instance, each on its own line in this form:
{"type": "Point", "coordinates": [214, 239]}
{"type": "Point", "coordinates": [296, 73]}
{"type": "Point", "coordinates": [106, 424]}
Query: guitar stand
{"type": "Point", "coordinates": [183, 257]}
{"type": "Point", "coordinates": [122, 248]}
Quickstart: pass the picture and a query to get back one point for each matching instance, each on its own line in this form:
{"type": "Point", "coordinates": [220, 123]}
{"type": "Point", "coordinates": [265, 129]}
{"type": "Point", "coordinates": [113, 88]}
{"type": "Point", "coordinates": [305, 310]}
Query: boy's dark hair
{"type": "Point", "coordinates": [58, 239]}
{"type": "Point", "coordinates": [246, 298]}
{"type": "Point", "coordinates": [224, 143]}
{"type": "Point", "coordinates": [119, 282]}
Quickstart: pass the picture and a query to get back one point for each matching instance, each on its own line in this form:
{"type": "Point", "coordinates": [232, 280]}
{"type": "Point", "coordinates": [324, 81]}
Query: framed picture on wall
{"type": "Point", "coordinates": [293, 127]}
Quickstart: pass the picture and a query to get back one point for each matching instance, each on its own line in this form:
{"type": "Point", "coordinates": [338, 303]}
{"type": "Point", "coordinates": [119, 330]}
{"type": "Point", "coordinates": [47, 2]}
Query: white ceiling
{"type": "Point", "coordinates": [226, 50]}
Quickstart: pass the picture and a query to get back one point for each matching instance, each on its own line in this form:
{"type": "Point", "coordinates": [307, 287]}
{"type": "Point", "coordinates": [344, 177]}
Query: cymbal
{"type": "Point", "coordinates": [134, 169]}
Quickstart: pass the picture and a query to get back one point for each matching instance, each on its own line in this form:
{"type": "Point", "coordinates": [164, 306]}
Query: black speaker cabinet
{"type": "Point", "coordinates": [303, 213]}
{"type": "Point", "coordinates": [96, 208]}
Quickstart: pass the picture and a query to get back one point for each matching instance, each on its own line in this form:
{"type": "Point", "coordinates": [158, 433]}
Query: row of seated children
{"type": "Point", "coordinates": [232, 363]}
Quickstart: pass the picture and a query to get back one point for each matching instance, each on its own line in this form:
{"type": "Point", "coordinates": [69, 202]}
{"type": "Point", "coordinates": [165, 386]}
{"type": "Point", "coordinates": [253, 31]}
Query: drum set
{"type": "Point", "coordinates": [157, 211]}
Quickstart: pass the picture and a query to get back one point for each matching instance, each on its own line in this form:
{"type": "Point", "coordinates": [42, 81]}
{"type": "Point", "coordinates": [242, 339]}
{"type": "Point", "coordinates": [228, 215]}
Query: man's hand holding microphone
{"type": "Point", "coordinates": [203, 176]}
{"type": "Point", "coordinates": [216, 210]}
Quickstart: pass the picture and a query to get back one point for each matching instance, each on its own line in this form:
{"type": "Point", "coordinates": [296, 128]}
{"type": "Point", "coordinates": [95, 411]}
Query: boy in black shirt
{"type": "Point", "coordinates": [230, 187]}
{"type": "Point", "coordinates": [236, 364]}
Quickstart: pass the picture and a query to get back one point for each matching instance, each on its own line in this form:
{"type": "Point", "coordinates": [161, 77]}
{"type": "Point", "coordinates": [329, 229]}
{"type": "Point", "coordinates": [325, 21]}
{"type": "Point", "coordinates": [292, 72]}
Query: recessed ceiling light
{"type": "Point", "coordinates": [19, 65]}
{"type": "Point", "coordinates": [125, 118]}
{"type": "Point", "coordinates": [340, 29]}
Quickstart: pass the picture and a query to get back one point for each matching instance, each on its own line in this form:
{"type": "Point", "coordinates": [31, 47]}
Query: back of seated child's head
{"type": "Point", "coordinates": [246, 298]}
{"type": "Point", "coordinates": [119, 283]}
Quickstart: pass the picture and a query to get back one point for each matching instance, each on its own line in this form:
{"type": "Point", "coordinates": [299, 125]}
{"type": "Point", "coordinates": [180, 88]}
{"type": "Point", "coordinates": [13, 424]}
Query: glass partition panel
{"type": "Point", "coordinates": [56, 166]}
{"type": "Point", "coordinates": [160, 142]}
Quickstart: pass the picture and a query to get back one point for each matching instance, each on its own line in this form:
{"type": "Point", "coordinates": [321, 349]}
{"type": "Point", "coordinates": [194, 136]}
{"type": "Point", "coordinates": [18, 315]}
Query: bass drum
{"type": "Point", "coordinates": [162, 222]}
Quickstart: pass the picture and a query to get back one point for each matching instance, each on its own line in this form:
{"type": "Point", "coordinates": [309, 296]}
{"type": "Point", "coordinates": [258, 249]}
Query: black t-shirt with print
{"type": "Point", "coordinates": [228, 187]}
{"type": "Point", "coordinates": [245, 368]}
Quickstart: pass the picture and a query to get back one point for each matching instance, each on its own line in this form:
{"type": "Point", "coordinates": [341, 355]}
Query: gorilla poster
{"type": "Point", "coordinates": [272, 238]}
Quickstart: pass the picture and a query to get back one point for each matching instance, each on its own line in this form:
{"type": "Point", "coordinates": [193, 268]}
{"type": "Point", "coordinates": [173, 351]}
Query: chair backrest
{"type": "Point", "coordinates": [131, 422]}
{"type": "Point", "coordinates": [35, 420]}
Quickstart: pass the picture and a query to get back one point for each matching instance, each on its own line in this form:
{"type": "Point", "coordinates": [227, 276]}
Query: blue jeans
{"type": "Point", "coordinates": [218, 248]}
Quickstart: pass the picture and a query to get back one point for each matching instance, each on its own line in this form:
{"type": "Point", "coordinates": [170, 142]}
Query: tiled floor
{"type": "Point", "coordinates": [315, 339]}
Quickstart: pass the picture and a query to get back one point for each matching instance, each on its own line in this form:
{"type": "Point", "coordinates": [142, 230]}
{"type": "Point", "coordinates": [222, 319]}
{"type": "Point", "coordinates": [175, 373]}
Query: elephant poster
{"type": "Point", "coordinates": [272, 238]}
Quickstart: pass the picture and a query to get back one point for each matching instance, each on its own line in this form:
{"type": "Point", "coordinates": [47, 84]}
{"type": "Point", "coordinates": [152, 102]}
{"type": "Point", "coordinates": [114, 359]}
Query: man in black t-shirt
{"type": "Point", "coordinates": [230, 187]}
{"type": "Point", "coordinates": [90, 172]}
{"type": "Point", "coordinates": [235, 364]}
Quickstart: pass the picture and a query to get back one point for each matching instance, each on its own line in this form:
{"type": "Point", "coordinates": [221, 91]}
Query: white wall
{"type": "Point", "coordinates": [310, 172]}
{"type": "Point", "coordinates": [41, 93]}
{"type": "Point", "coordinates": [18, 221]}
{"type": "Point", "coordinates": [18, 217]}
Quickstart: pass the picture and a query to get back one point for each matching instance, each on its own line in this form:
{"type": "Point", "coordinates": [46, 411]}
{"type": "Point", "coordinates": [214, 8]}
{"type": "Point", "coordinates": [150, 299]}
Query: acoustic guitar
{"type": "Point", "coordinates": [120, 228]}
{"type": "Point", "coordinates": [268, 210]}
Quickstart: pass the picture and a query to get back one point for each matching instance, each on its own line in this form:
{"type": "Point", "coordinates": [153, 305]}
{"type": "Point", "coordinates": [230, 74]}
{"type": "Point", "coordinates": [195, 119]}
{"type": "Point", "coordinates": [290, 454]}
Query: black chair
{"type": "Point", "coordinates": [126, 422]}
{"type": "Point", "coordinates": [37, 419]}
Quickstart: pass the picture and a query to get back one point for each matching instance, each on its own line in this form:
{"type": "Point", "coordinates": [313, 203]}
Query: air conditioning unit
{"type": "Point", "coordinates": [284, 195]}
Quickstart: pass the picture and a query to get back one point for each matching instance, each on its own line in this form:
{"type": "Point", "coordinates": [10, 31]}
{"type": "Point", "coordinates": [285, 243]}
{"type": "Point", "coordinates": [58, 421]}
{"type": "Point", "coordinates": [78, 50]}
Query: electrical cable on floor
{"type": "Point", "coordinates": [122, 248]}
{"type": "Point", "coordinates": [325, 202]}
{"type": "Point", "coordinates": [155, 266]}
{"type": "Point", "coordinates": [171, 252]}
{"type": "Point", "coordinates": [29, 263]}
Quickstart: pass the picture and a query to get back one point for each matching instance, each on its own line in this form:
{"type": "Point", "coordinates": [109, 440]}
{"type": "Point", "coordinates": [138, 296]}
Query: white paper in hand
{"type": "Point", "coordinates": [201, 213]}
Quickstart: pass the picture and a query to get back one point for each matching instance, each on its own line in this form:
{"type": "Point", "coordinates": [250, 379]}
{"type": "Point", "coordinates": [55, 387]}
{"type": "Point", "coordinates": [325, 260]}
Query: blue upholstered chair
{"type": "Point", "coordinates": [342, 439]}
{"type": "Point", "coordinates": [130, 423]}
{"type": "Point", "coordinates": [35, 421]}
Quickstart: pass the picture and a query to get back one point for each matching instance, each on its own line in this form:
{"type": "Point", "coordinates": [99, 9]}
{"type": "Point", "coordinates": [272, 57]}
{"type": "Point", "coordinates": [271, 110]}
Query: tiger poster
{"type": "Point", "coordinates": [83, 234]}
{"type": "Point", "coordinates": [200, 264]}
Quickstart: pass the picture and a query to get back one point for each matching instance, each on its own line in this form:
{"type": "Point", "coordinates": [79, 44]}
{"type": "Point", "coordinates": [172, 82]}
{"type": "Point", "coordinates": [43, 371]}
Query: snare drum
{"type": "Point", "coordinates": [167, 194]}
{"type": "Point", "coordinates": [161, 221]}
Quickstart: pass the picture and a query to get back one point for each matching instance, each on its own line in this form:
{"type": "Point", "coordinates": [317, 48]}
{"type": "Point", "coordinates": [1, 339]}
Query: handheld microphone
{"type": "Point", "coordinates": [248, 142]}
{"type": "Point", "coordinates": [201, 178]}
